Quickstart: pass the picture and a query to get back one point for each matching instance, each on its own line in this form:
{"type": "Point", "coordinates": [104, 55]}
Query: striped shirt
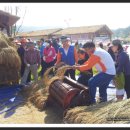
{"type": "Point", "coordinates": [32, 57]}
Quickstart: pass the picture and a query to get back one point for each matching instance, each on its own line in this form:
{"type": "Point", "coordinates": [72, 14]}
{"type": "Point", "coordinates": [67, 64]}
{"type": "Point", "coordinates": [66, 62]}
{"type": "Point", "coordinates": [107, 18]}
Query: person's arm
{"type": "Point", "coordinates": [18, 51]}
{"type": "Point", "coordinates": [25, 58]}
{"type": "Point", "coordinates": [44, 52]}
{"type": "Point", "coordinates": [54, 53]}
{"type": "Point", "coordinates": [41, 50]}
{"type": "Point", "coordinates": [121, 61]}
{"type": "Point", "coordinates": [76, 55]}
{"type": "Point", "coordinates": [58, 58]}
{"type": "Point", "coordinates": [89, 63]}
{"type": "Point", "coordinates": [38, 58]}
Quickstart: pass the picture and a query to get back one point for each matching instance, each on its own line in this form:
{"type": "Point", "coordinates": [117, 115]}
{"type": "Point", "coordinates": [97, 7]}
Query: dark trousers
{"type": "Point", "coordinates": [22, 72]}
{"type": "Point", "coordinates": [83, 79]}
{"type": "Point", "coordinates": [127, 85]}
{"type": "Point", "coordinates": [70, 73]}
{"type": "Point", "coordinates": [43, 64]}
{"type": "Point", "coordinates": [46, 66]}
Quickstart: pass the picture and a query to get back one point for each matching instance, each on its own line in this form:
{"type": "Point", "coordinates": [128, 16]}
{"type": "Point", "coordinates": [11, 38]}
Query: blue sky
{"type": "Point", "coordinates": [53, 15]}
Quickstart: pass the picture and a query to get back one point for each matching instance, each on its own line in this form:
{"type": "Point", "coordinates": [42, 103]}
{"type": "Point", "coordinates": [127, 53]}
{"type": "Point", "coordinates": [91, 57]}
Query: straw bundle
{"type": "Point", "coordinates": [6, 39]}
{"type": "Point", "coordinates": [61, 71]}
{"type": "Point", "coordinates": [39, 100]}
{"type": "Point", "coordinates": [60, 64]}
{"type": "Point", "coordinates": [47, 75]}
{"type": "Point", "coordinates": [104, 113]}
{"type": "Point", "coordinates": [38, 93]}
{"type": "Point", "coordinates": [9, 57]}
{"type": "Point", "coordinates": [9, 61]}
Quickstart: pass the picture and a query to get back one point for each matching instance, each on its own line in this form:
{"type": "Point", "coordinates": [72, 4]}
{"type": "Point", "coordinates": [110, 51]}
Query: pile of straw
{"type": "Point", "coordinates": [61, 71]}
{"type": "Point", "coordinates": [103, 113]}
{"type": "Point", "coordinates": [58, 73]}
{"type": "Point", "coordinates": [38, 92]}
{"type": "Point", "coordinates": [9, 61]}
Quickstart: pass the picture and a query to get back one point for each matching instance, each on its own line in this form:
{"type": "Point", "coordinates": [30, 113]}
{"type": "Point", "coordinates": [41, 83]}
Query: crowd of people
{"type": "Point", "coordinates": [97, 66]}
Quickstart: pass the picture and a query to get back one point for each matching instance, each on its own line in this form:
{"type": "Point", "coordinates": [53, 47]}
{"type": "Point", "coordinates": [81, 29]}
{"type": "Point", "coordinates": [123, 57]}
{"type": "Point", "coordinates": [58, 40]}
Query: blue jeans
{"type": "Point", "coordinates": [102, 81]}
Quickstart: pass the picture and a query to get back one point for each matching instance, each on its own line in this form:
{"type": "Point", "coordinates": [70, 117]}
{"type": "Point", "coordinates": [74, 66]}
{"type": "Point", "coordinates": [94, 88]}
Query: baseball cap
{"type": "Point", "coordinates": [30, 44]}
{"type": "Point", "coordinates": [64, 38]}
{"type": "Point", "coordinates": [48, 41]}
{"type": "Point", "coordinates": [116, 42]}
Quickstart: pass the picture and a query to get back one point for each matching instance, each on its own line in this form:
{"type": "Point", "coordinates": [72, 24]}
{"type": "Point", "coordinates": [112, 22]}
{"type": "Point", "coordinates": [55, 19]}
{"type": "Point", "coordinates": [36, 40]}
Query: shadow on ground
{"type": "Point", "coordinates": [54, 115]}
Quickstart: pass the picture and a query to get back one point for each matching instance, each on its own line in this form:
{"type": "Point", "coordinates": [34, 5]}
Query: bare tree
{"type": "Point", "coordinates": [16, 13]}
{"type": "Point", "coordinates": [5, 24]}
{"type": "Point", "coordinates": [15, 29]}
{"type": "Point", "coordinates": [11, 28]}
{"type": "Point", "coordinates": [21, 22]}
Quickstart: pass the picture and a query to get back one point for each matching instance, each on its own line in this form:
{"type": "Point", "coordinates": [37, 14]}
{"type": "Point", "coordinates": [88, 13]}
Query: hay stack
{"type": "Point", "coordinates": [104, 113]}
{"type": "Point", "coordinates": [9, 61]}
{"type": "Point", "coordinates": [8, 40]}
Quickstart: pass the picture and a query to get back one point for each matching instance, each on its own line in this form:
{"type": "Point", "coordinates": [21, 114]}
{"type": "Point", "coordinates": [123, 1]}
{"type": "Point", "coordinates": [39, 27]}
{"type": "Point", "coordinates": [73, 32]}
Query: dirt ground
{"type": "Point", "coordinates": [28, 114]}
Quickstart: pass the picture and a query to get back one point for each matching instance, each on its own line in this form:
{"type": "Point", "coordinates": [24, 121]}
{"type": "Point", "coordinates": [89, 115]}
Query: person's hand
{"type": "Point", "coordinates": [38, 66]}
{"type": "Point", "coordinates": [77, 64]}
{"type": "Point", "coordinates": [59, 65]}
{"type": "Point", "coordinates": [55, 66]}
{"type": "Point", "coordinates": [50, 53]}
{"type": "Point", "coordinates": [69, 67]}
{"type": "Point", "coordinates": [44, 58]}
{"type": "Point", "coordinates": [28, 65]}
{"type": "Point", "coordinates": [75, 67]}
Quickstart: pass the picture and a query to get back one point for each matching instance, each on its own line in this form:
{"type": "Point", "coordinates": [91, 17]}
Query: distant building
{"type": "Point", "coordinates": [85, 33]}
{"type": "Point", "coordinates": [36, 35]}
{"type": "Point", "coordinates": [80, 34]}
{"type": "Point", "coordinates": [6, 21]}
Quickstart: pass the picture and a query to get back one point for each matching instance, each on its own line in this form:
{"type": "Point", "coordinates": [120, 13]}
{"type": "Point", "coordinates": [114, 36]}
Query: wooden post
{"type": "Point", "coordinates": [8, 30]}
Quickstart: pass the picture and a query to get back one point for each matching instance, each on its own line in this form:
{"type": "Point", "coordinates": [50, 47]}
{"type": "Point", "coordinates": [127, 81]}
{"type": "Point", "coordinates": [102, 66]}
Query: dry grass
{"type": "Point", "coordinates": [61, 71]}
{"type": "Point", "coordinates": [38, 92]}
{"type": "Point", "coordinates": [9, 61]}
{"type": "Point", "coordinates": [104, 113]}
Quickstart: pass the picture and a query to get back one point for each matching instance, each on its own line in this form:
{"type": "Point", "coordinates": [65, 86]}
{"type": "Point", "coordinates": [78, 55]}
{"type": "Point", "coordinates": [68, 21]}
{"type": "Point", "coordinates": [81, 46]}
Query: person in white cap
{"type": "Point", "coordinates": [67, 54]}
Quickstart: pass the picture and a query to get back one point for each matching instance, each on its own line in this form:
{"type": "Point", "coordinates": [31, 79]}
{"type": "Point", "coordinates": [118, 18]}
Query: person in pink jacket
{"type": "Point", "coordinates": [49, 55]}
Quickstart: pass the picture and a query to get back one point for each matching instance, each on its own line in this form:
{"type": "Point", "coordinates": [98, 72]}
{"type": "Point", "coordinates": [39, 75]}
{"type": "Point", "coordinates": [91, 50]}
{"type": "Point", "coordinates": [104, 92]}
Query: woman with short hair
{"type": "Point", "coordinates": [122, 64]}
{"type": "Point", "coordinates": [49, 55]}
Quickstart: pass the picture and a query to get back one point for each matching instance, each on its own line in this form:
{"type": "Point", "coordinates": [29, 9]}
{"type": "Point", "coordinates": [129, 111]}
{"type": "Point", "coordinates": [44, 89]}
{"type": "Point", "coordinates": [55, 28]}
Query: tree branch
{"type": "Point", "coordinates": [22, 22]}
